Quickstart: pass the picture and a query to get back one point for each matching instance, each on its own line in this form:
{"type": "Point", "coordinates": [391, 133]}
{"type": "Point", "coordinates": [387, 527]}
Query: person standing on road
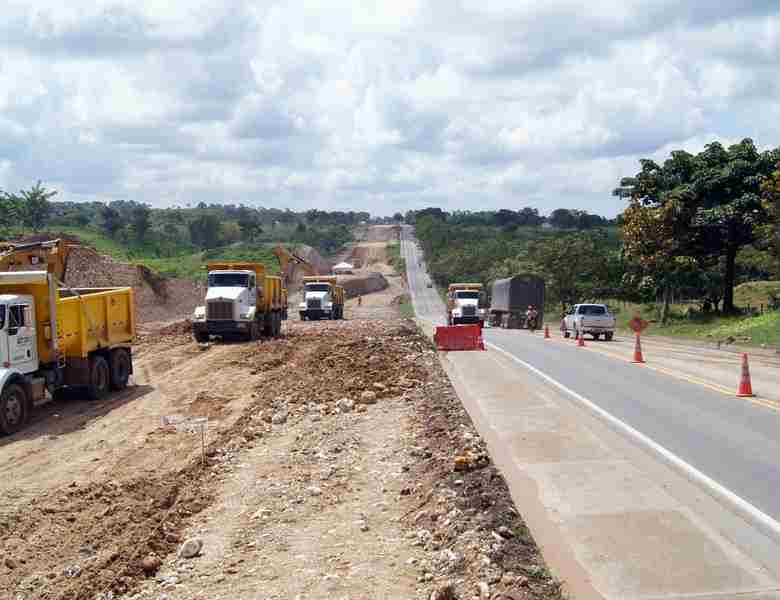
{"type": "Point", "coordinates": [360, 300]}
{"type": "Point", "coordinates": [530, 317]}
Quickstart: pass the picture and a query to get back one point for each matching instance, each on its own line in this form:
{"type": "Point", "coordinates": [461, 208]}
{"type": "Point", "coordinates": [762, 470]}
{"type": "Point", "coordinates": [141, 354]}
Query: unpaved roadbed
{"type": "Point", "coordinates": [330, 472]}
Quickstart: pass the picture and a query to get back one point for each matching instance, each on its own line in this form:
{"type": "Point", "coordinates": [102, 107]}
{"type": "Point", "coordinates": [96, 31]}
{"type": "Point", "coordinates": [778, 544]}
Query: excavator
{"type": "Point", "coordinates": [33, 256]}
{"type": "Point", "coordinates": [288, 261]}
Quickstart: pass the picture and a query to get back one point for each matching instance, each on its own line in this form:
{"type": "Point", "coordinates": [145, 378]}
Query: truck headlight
{"type": "Point", "coordinates": [456, 312]}
{"type": "Point", "coordinates": [482, 311]}
{"type": "Point", "coordinates": [301, 305]}
{"type": "Point", "coordinates": [327, 304]}
{"type": "Point", "coordinates": [246, 315]}
{"type": "Point", "coordinates": [200, 313]}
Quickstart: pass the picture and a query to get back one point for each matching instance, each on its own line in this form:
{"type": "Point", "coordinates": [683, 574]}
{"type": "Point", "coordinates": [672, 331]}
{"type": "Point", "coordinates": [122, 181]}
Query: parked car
{"type": "Point", "coordinates": [594, 319]}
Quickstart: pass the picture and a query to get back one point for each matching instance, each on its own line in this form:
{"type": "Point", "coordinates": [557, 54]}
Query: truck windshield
{"type": "Point", "coordinates": [467, 295]}
{"type": "Point", "coordinates": [2, 316]}
{"type": "Point", "coordinates": [592, 309]}
{"type": "Point", "coordinates": [228, 280]}
{"type": "Point", "coordinates": [317, 287]}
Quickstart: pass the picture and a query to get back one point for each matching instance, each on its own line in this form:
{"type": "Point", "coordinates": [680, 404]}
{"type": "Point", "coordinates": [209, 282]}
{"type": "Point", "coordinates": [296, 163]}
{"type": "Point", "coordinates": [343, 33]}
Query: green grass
{"type": "Point", "coordinates": [184, 263]}
{"type": "Point", "coordinates": [398, 263]}
{"type": "Point", "coordinates": [756, 330]}
{"type": "Point", "coordinates": [755, 293]}
{"type": "Point", "coordinates": [405, 306]}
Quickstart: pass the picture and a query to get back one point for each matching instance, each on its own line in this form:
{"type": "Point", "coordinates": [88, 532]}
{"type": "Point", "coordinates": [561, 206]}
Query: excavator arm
{"type": "Point", "coordinates": [35, 256]}
{"type": "Point", "coordinates": [289, 261]}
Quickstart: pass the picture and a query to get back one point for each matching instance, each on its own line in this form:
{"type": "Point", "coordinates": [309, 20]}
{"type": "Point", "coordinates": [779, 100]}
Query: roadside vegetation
{"type": "Point", "coordinates": [396, 261]}
{"type": "Point", "coordinates": [696, 251]}
{"type": "Point", "coordinates": [175, 241]}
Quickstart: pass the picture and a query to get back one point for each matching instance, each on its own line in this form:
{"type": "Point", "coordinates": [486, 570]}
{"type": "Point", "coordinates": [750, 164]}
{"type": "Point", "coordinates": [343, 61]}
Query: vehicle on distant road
{"type": "Point", "coordinates": [593, 319]}
{"type": "Point", "coordinates": [464, 304]}
{"type": "Point", "coordinates": [511, 298]}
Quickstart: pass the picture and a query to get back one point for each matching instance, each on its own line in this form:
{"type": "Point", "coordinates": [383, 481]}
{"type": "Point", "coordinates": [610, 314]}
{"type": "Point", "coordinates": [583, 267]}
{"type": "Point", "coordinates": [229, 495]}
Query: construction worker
{"type": "Point", "coordinates": [360, 300]}
{"type": "Point", "coordinates": [531, 316]}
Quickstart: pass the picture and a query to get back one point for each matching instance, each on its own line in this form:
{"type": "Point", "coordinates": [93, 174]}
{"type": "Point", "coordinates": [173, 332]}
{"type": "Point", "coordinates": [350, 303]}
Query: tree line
{"type": "Point", "coordinates": [172, 231]}
{"type": "Point", "coordinates": [694, 226]}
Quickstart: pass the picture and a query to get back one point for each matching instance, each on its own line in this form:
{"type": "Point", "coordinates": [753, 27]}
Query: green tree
{"type": "Point", "coordinates": [34, 206]}
{"type": "Point", "coordinates": [111, 220]}
{"type": "Point", "coordinates": [204, 231]}
{"type": "Point", "coordinates": [10, 210]}
{"type": "Point", "coordinates": [141, 215]}
{"type": "Point", "coordinates": [715, 200]}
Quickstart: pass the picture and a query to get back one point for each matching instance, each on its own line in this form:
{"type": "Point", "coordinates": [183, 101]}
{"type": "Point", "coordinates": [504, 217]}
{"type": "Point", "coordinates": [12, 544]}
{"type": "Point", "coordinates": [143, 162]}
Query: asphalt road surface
{"type": "Point", "coordinates": [732, 441]}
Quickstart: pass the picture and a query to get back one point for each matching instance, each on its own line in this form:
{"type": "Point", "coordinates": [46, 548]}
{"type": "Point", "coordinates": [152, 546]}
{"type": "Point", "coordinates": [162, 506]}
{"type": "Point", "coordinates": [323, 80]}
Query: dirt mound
{"type": "Point", "coordinates": [110, 527]}
{"type": "Point", "coordinates": [156, 298]}
{"type": "Point", "coordinates": [358, 285]}
{"type": "Point", "coordinates": [365, 255]}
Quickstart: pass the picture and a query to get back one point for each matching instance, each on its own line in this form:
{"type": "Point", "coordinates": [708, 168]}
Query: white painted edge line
{"type": "Point", "coordinates": [764, 522]}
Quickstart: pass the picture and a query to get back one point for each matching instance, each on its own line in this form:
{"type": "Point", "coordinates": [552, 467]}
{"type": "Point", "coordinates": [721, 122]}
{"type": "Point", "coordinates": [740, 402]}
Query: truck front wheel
{"type": "Point", "coordinates": [120, 368]}
{"type": "Point", "coordinates": [13, 408]}
{"type": "Point", "coordinates": [99, 378]}
{"type": "Point", "coordinates": [608, 336]}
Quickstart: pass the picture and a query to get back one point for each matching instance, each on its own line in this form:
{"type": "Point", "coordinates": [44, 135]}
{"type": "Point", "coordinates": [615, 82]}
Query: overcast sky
{"type": "Point", "coordinates": [385, 107]}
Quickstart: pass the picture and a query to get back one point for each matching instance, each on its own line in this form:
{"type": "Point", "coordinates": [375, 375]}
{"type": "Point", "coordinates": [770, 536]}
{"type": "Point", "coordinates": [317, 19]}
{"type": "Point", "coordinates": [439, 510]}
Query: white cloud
{"type": "Point", "coordinates": [377, 106]}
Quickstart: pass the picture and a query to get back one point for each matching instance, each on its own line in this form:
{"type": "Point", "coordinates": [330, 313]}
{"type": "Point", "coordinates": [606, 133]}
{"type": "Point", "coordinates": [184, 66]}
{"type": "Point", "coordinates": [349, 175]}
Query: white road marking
{"type": "Point", "coordinates": [763, 521]}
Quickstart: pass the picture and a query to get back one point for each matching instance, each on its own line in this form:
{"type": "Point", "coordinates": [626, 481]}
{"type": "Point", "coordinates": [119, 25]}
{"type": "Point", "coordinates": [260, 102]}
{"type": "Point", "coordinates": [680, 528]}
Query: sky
{"type": "Point", "coordinates": [377, 106]}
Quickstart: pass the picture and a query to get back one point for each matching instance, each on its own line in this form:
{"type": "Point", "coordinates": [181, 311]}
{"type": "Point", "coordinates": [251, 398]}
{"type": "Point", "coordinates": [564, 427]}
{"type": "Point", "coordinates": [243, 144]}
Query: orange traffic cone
{"type": "Point", "coordinates": [638, 358]}
{"type": "Point", "coordinates": [581, 340]}
{"type": "Point", "coordinates": [745, 388]}
{"type": "Point", "coordinates": [547, 332]}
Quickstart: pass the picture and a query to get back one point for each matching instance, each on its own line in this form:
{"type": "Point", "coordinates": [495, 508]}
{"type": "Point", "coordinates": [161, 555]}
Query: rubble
{"type": "Point", "coordinates": [458, 536]}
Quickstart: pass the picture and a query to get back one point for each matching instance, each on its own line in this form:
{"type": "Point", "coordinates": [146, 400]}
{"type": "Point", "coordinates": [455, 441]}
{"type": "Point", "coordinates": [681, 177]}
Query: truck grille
{"type": "Point", "coordinates": [314, 303]}
{"type": "Point", "coordinates": [469, 311]}
{"type": "Point", "coordinates": [219, 310]}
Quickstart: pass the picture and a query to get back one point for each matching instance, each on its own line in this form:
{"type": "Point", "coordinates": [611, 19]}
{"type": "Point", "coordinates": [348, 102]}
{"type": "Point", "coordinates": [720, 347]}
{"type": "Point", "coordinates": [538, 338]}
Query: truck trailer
{"type": "Point", "coordinates": [511, 297]}
{"type": "Point", "coordinates": [52, 337]}
{"type": "Point", "coordinates": [242, 301]}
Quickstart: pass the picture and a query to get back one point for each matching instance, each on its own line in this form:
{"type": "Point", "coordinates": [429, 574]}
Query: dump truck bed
{"type": "Point", "coordinates": [88, 319]}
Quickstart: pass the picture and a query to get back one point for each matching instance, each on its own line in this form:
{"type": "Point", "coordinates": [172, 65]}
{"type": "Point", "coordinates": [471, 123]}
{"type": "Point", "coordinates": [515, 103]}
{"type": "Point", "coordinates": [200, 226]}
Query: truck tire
{"type": "Point", "coordinates": [596, 336]}
{"type": "Point", "coordinates": [279, 319]}
{"type": "Point", "coordinates": [201, 338]}
{"type": "Point", "coordinates": [13, 408]}
{"type": "Point", "coordinates": [608, 336]}
{"type": "Point", "coordinates": [99, 378]}
{"type": "Point", "coordinates": [121, 366]}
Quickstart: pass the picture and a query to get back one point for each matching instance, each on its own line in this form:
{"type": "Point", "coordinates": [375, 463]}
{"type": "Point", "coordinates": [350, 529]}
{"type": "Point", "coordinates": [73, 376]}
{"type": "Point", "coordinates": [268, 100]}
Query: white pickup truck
{"type": "Point", "coordinates": [594, 319]}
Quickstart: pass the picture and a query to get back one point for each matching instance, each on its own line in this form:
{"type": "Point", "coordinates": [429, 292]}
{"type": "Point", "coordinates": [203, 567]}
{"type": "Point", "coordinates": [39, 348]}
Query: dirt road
{"type": "Point", "coordinates": [329, 473]}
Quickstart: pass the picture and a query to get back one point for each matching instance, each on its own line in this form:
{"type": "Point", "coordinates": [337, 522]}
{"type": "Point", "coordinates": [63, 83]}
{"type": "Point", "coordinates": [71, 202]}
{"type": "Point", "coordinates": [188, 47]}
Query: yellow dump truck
{"type": "Point", "coordinates": [241, 301]}
{"type": "Point", "coordinates": [322, 298]}
{"type": "Point", "coordinates": [51, 337]}
{"type": "Point", "coordinates": [464, 302]}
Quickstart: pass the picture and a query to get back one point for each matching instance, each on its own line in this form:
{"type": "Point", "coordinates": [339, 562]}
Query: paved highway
{"type": "Point", "coordinates": [733, 441]}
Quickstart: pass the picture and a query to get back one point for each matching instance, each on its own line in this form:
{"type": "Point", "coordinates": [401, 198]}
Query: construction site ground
{"type": "Point", "coordinates": [327, 469]}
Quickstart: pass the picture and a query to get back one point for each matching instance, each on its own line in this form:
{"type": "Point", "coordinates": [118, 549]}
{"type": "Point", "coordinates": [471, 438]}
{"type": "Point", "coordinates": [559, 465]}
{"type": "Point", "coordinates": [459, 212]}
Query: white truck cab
{"type": "Point", "coordinates": [230, 304]}
{"type": "Point", "coordinates": [463, 304]}
{"type": "Point", "coordinates": [317, 300]}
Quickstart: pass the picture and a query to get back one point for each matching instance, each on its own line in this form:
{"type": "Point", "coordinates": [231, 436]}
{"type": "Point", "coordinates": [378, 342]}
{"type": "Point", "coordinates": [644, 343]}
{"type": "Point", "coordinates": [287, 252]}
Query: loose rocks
{"type": "Point", "coordinates": [191, 548]}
